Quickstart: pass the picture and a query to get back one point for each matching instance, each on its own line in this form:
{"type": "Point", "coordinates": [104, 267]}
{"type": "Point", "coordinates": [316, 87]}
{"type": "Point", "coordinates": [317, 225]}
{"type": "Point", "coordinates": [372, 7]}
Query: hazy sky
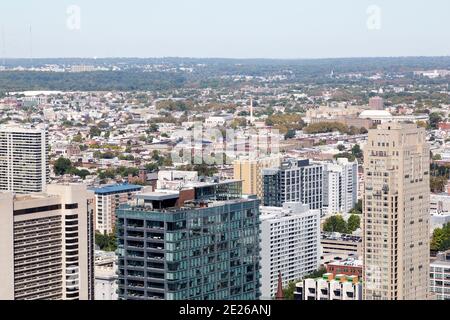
{"type": "Point", "coordinates": [225, 28]}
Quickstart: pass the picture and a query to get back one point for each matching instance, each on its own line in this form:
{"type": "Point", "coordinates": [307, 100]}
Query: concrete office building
{"type": "Point", "coordinates": [294, 181]}
{"type": "Point", "coordinates": [23, 159]}
{"type": "Point", "coordinates": [396, 213]}
{"type": "Point", "coordinates": [201, 242]}
{"type": "Point", "coordinates": [440, 276]}
{"type": "Point", "coordinates": [249, 170]}
{"type": "Point", "coordinates": [329, 287]}
{"type": "Point", "coordinates": [107, 200]}
{"type": "Point", "coordinates": [340, 187]}
{"type": "Point", "coordinates": [341, 244]}
{"type": "Point", "coordinates": [290, 245]}
{"type": "Point", "coordinates": [46, 244]}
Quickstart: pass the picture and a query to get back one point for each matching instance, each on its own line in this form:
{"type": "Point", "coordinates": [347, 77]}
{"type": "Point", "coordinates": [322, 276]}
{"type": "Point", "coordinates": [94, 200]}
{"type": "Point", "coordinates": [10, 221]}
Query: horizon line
{"type": "Point", "coordinates": [232, 58]}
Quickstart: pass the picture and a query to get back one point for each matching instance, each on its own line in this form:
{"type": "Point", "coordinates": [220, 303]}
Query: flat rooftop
{"type": "Point", "coordinates": [339, 237]}
{"type": "Point", "coordinates": [159, 195]}
{"type": "Point", "coordinates": [114, 188]}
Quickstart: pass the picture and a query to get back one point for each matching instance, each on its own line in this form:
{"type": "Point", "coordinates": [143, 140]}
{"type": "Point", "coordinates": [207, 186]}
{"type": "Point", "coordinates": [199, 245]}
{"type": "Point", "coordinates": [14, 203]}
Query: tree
{"type": "Point", "coordinates": [290, 134]}
{"type": "Point", "coordinates": [324, 127]}
{"type": "Point", "coordinates": [335, 224]}
{"type": "Point", "coordinates": [437, 157]}
{"type": "Point", "coordinates": [153, 128]}
{"type": "Point", "coordinates": [357, 209]}
{"type": "Point", "coordinates": [341, 147]}
{"type": "Point", "coordinates": [78, 138]}
{"type": "Point", "coordinates": [363, 130]}
{"type": "Point", "coordinates": [437, 184]}
{"type": "Point", "coordinates": [435, 118]}
{"type": "Point", "coordinates": [202, 169]}
{"type": "Point", "coordinates": [357, 152]}
{"type": "Point", "coordinates": [94, 131]}
{"type": "Point", "coordinates": [62, 166]}
{"type": "Point", "coordinates": [441, 238]}
{"type": "Point", "coordinates": [106, 242]}
{"type": "Point", "coordinates": [353, 223]}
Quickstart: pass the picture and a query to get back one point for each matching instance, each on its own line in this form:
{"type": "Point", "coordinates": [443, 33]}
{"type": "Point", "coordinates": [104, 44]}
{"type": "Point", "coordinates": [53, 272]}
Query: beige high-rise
{"type": "Point", "coordinates": [46, 244]}
{"type": "Point", "coordinates": [396, 213]}
{"type": "Point", "coordinates": [250, 172]}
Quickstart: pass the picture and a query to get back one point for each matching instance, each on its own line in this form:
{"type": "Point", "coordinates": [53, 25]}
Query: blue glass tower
{"type": "Point", "coordinates": [200, 243]}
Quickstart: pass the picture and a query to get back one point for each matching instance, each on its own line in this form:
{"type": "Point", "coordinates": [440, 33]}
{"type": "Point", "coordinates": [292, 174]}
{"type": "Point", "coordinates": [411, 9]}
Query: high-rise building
{"type": "Point", "coordinates": [290, 245]}
{"type": "Point", "coordinates": [294, 181]}
{"type": "Point", "coordinates": [107, 200]}
{"type": "Point", "coordinates": [201, 242]}
{"type": "Point", "coordinates": [396, 213]}
{"type": "Point", "coordinates": [46, 244]}
{"type": "Point", "coordinates": [23, 159]}
{"type": "Point", "coordinates": [376, 103]}
{"type": "Point", "coordinates": [249, 170]}
{"type": "Point", "coordinates": [440, 276]}
{"type": "Point", "coordinates": [340, 186]}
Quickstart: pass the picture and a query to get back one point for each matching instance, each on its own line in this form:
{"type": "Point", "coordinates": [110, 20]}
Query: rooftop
{"type": "Point", "coordinates": [340, 237]}
{"type": "Point", "coordinates": [116, 188]}
{"type": "Point", "coordinates": [350, 262]}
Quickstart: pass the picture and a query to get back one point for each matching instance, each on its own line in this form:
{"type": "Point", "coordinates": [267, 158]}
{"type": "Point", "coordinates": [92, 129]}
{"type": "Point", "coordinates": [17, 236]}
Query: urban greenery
{"type": "Point", "coordinates": [441, 238]}
{"type": "Point", "coordinates": [336, 223]}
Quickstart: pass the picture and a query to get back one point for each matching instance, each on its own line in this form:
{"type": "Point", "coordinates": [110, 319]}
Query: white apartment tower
{"type": "Point", "coordinates": [23, 159]}
{"type": "Point", "coordinates": [290, 244]}
{"type": "Point", "coordinates": [340, 187]}
{"type": "Point", "coordinates": [396, 213]}
{"type": "Point", "coordinates": [46, 244]}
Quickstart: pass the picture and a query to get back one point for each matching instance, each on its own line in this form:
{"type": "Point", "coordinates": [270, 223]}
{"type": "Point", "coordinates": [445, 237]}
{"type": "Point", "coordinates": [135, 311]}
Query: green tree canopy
{"type": "Point", "coordinates": [335, 224]}
{"type": "Point", "coordinates": [62, 166]}
{"type": "Point", "coordinates": [441, 238]}
{"type": "Point", "coordinates": [353, 223]}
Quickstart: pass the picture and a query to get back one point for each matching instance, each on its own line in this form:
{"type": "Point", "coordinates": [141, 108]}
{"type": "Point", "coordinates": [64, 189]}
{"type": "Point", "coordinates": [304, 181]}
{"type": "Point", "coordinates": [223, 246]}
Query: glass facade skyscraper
{"type": "Point", "coordinates": [187, 245]}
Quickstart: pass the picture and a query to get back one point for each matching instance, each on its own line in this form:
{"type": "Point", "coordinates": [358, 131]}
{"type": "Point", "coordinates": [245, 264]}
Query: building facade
{"type": "Point", "coordinates": [24, 164]}
{"type": "Point", "coordinates": [107, 200]}
{"type": "Point", "coordinates": [250, 172]}
{"type": "Point", "coordinates": [340, 187]}
{"type": "Point", "coordinates": [201, 243]}
{"type": "Point", "coordinates": [290, 245]}
{"type": "Point", "coordinates": [396, 213]}
{"type": "Point", "coordinates": [338, 243]}
{"type": "Point", "coordinates": [294, 181]}
{"type": "Point", "coordinates": [106, 276]}
{"type": "Point", "coordinates": [376, 103]}
{"type": "Point", "coordinates": [349, 267]}
{"type": "Point", "coordinates": [329, 287]}
{"type": "Point", "coordinates": [440, 276]}
{"type": "Point", "coordinates": [46, 244]}
{"type": "Point", "coordinates": [439, 210]}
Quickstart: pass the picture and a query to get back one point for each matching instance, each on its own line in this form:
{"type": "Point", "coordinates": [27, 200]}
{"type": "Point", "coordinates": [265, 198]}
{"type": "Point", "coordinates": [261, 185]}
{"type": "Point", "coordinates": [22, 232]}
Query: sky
{"type": "Point", "coordinates": [288, 29]}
